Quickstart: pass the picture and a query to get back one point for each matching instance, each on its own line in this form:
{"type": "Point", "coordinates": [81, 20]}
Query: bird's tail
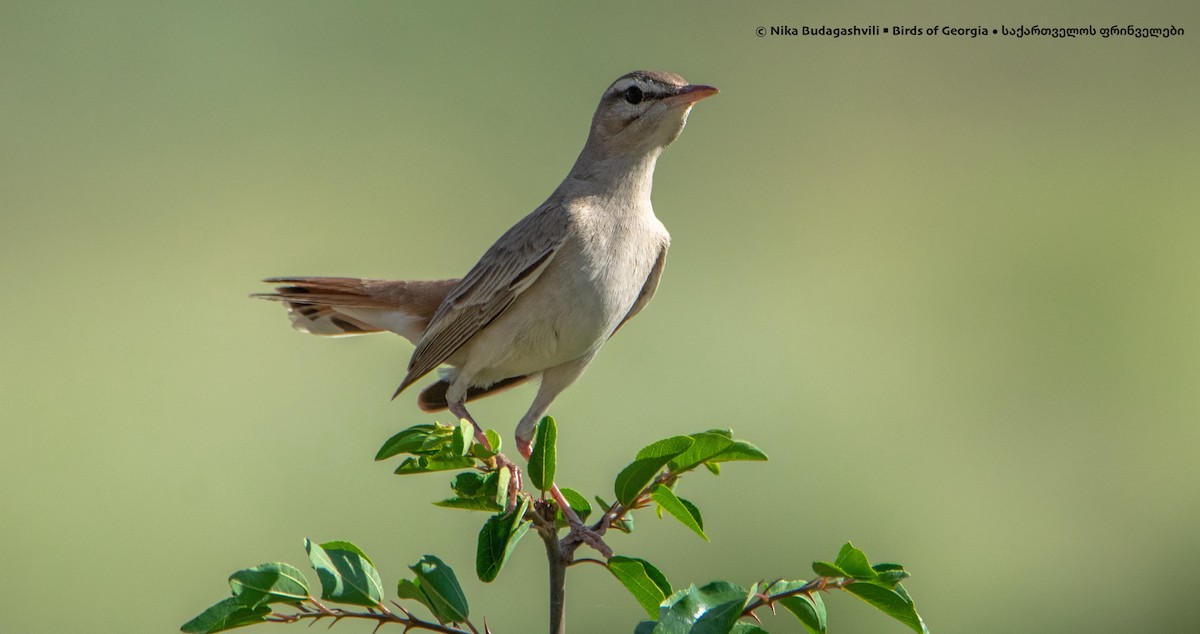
{"type": "Point", "coordinates": [347, 306]}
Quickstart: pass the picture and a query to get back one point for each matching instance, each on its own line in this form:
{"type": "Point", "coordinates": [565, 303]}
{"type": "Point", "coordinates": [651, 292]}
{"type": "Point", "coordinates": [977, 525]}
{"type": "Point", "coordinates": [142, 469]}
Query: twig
{"type": "Point", "coordinates": [380, 614]}
{"type": "Point", "coordinates": [618, 511]}
{"type": "Point", "coordinates": [816, 585]}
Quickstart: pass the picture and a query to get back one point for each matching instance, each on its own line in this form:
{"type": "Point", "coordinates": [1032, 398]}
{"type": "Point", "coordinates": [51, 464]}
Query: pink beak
{"type": "Point", "coordinates": [690, 94]}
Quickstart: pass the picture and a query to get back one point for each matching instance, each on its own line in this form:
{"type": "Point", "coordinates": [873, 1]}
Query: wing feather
{"type": "Point", "coordinates": [506, 270]}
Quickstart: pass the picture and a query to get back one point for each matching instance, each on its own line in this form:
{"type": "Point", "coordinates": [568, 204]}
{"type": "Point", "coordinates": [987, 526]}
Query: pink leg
{"type": "Point", "coordinates": [578, 531]}
{"type": "Point", "coordinates": [459, 410]}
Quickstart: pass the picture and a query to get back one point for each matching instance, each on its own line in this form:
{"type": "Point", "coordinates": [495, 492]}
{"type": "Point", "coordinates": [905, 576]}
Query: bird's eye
{"type": "Point", "coordinates": [633, 95]}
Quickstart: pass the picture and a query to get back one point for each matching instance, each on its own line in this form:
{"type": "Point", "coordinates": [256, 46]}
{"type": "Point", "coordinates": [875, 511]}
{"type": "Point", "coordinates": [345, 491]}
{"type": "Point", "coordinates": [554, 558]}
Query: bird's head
{"type": "Point", "coordinates": [643, 112]}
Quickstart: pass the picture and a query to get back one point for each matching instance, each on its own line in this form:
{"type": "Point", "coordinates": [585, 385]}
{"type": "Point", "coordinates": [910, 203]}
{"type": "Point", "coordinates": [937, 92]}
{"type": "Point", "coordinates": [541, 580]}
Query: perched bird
{"type": "Point", "coordinates": [546, 296]}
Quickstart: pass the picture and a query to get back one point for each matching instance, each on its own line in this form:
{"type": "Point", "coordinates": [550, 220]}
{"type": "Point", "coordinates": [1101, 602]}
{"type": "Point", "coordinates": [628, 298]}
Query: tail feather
{"type": "Point", "coordinates": [349, 306]}
{"type": "Point", "coordinates": [346, 306]}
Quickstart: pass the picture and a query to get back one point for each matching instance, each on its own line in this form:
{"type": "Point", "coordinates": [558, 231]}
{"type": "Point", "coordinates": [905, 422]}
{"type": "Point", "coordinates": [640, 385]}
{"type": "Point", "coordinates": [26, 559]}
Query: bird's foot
{"type": "Point", "coordinates": [579, 532]}
{"type": "Point", "coordinates": [514, 482]}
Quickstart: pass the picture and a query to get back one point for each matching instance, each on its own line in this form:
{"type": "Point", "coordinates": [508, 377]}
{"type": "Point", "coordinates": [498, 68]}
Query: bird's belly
{"type": "Point", "coordinates": [567, 313]}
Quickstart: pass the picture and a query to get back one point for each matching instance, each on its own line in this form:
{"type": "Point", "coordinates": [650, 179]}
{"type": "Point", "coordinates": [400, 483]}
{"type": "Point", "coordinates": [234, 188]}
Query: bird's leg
{"type": "Point", "coordinates": [514, 483]}
{"type": "Point", "coordinates": [459, 409]}
{"type": "Point", "coordinates": [578, 531]}
{"type": "Point", "coordinates": [554, 381]}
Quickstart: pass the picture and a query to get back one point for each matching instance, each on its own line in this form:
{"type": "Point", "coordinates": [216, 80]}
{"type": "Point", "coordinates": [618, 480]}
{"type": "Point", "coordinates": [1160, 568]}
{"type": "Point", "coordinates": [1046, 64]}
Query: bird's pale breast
{"type": "Point", "coordinates": [576, 303]}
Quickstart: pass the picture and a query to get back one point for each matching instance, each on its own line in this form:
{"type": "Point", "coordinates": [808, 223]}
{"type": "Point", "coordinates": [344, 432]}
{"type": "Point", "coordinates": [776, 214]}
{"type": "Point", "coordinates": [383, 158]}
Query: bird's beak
{"type": "Point", "coordinates": [689, 95]}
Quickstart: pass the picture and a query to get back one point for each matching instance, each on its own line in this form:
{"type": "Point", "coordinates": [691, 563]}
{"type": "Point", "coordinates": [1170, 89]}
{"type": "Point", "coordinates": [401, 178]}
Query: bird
{"type": "Point", "coordinates": [545, 297]}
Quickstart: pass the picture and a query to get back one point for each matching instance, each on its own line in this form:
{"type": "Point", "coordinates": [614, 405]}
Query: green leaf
{"type": "Point", "coordinates": [706, 446]}
{"type": "Point", "coordinates": [269, 583]}
{"type": "Point", "coordinates": [470, 504]}
{"type": "Point", "coordinates": [854, 562]}
{"type": "Point", "coordinates": [725, 608]}
{"type": "Point", "coordinates": [472, 483]}
{"type": "Point", "coordinates": [347, 574]}
{"type": "Point", "coordinates": [743, 627]}
{"type": "Point", "coordinates": [429, 464]}
{"type": "Point", "coordinates": [740, 451]}
{"type": "Point", "coordinates": [226, 615]}
{"type": "Point", "coordinates": [435, 447]}
{"type": "Point", "coordinates": [694, 511]}
{"type": "Point", "coordinates": [578, 503]}
{"type": "Point", "coordinates": [408, 589]}
{"type": "Point", "coordinates": [476, 491]}
{"type": "Point", "coordinates": [711, 609]}
{"type": "Point", "coordinates": [826, 569]}
{"type": "Point", "coordinates": [809, 608]}
{"type": "Point", "coordinates": [657, 577]}
{"type": "Point", "coordinates": [680, 509]}
{"type": "Point", "coordinates": [889, 574]}
{"type": "Point", "coordinates": [410, 440]}
{"type": "Point", "coordinates": [462, 438]}
{"type": "Point", "coordinates": [647, 585]}
{"type": "Point", "coordinates": [484, 453]}
{"type": "Point", "coordinates": [437, 581]}
{"type": "Point", "coordinates": [713, 468]}
{"type": "Point", "coordinates": [542, 459]}
{"type": "Point", "coordinates": [894, 603]}
{"type": "Point", "coordinates": [497, 540]}
{"type": "Point", "coordinates": [646, 465]}
{"type": "Point", "coordinates": [902, 592]}
{"type": "Point", "coordinates": [504, 476]}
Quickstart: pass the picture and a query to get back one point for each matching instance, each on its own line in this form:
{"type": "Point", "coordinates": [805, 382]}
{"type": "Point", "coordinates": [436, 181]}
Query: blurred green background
{"type": "Point", "coordinates": [950, 285]}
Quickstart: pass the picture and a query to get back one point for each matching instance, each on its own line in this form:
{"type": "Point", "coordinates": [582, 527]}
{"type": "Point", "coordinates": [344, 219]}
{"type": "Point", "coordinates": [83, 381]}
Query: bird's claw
{"type": "Point", "coordinates": [514, 483]}
{"type": "Point", "coordinates": [581, 534]}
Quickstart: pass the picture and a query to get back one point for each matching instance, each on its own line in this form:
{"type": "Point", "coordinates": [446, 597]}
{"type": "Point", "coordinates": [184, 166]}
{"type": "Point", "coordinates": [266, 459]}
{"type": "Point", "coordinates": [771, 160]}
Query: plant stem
{"type": "Point", "coordinates": [543, 515]}
{"type": "Point", "coordinates": [381, 615]}
{"type": "Point", "coordinates": [820, 584]}
{"type": "Point", "coordinates": [561, 554]}
{"type": "Point", "coordinates": [558, 586]}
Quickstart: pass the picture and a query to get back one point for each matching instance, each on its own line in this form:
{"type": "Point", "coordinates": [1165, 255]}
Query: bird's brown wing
{"type": "Point", "coordinates": [509, 267]}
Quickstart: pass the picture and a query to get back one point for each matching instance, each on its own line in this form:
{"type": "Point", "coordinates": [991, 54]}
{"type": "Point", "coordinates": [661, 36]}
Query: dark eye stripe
{"type": "Point", "coordinates": [646, 95]}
